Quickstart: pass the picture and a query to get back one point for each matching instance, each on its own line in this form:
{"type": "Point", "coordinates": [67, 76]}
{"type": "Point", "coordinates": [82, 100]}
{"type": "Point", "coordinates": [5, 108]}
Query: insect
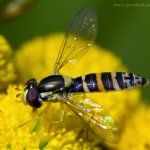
{"type": "Point", "coordinates": [61, 88]}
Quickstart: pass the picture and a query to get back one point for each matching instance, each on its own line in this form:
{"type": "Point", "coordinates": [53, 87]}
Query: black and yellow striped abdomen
{"type": "Point", "coordinates": [107, 81]}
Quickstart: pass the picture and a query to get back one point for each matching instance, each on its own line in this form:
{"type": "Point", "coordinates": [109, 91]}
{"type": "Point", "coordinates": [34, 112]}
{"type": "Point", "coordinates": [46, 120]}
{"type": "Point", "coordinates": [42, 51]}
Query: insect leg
{"type": "Point", "coordinates": [89, 138]}
{"type": "Point", "coordinates": [62, 112]}
{"type": "Point", "coordinates": [34, 118]}
{"type": "Point", "coordinates": [35, 115]}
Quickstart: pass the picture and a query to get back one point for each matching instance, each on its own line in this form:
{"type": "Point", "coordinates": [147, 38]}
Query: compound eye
{"type": "Point", "coordinates": [31, 94]}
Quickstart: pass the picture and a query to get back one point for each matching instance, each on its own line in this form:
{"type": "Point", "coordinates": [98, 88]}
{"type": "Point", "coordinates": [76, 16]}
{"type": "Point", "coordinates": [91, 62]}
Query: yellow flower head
{"type": "Point", "coordinates": [23, 128]}
{"type": "Point", "coordinates": [7, 72]}
{"type": "Point", "coordinates": [136, 133]}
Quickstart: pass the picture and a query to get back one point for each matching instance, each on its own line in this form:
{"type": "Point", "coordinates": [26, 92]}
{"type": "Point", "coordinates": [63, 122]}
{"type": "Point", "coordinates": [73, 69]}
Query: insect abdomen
{"type": "Point", "coordinates": [107, 81]}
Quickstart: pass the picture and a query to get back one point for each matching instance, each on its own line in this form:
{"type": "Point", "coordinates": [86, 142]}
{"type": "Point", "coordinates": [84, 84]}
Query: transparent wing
{"type": "Point", "coordinates": [78, 38]}
{"type": "Point", "coordinates": [95, 118]}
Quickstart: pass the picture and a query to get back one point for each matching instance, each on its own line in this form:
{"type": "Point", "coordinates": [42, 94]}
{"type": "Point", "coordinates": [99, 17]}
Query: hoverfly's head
{"type": "Point", "coordinates": [31, 95]}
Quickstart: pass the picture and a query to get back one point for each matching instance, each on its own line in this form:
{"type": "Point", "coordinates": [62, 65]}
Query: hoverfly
{"type": "Point", "coordinates": [61, 88]}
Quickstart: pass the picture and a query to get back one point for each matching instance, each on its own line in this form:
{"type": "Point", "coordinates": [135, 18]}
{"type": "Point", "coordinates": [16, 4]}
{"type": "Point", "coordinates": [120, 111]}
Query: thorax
{"type": "Point", "coordinates": [53, 86]}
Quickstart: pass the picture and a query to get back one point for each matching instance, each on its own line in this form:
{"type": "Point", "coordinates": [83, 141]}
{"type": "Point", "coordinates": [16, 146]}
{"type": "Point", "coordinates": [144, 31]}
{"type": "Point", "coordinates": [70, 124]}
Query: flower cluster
{"type": "Point", "coordinates": [7, 70]}
{"type": "Point", "coordinates": [24, 128]}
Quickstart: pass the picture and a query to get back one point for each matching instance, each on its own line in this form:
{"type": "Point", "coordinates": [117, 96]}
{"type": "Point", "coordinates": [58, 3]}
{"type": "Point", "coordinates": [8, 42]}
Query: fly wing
{"type": "Point", "coordinates": [95, 118]}
{"type": "Point", "coordinates": [78, 38]}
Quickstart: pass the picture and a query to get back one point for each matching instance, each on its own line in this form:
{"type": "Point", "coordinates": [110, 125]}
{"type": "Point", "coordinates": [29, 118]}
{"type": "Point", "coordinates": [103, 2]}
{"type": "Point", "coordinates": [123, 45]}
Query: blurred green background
{"type": "Point", "coordinates": [124, 27]}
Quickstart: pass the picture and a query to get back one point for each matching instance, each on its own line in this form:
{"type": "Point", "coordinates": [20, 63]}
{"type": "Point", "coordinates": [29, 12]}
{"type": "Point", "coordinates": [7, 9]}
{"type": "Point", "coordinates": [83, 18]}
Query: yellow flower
{"type": "Point", "coordinates": [7, 72]}
{"type": "Point", "coordinates": [136, 133]}
{"type": "Point", "coordinates": [33, 135]}
{"type": "Point", "coordinates": [22, 128]}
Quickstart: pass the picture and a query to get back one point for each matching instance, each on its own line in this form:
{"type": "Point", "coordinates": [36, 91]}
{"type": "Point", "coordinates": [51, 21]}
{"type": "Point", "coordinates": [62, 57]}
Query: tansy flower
{"type": "Point", "coordinates": [7, 72]}
{"type": "Point", "coordinates": [22, 128]}
{"type": "Point", "coordinates": [136, 133]}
